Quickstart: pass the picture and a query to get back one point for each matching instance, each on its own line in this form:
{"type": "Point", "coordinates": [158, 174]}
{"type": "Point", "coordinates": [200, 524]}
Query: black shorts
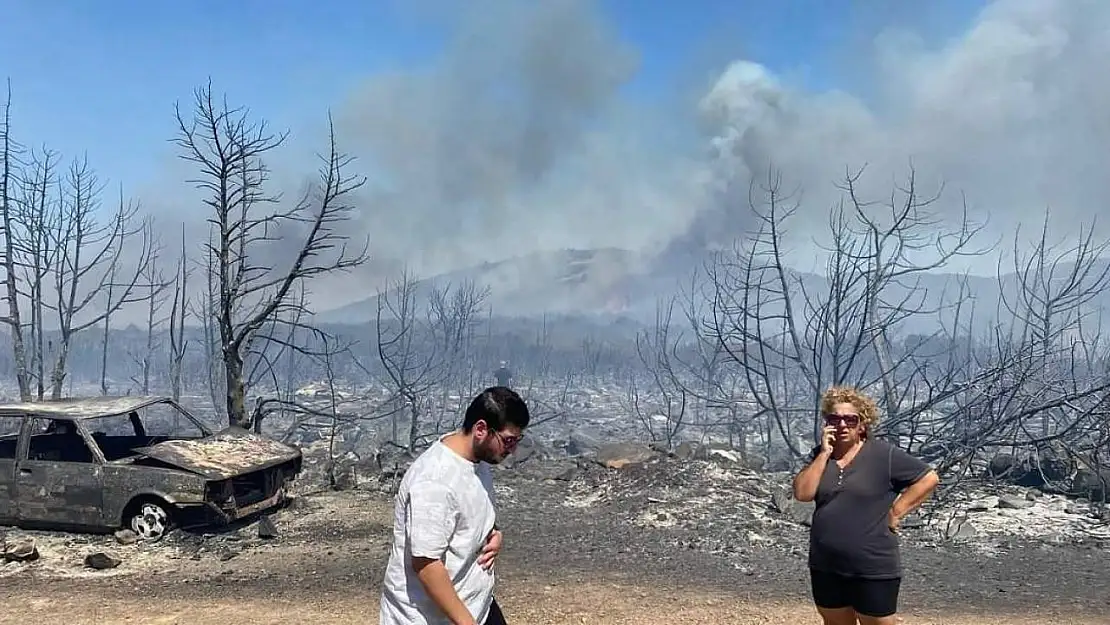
{"type": "Point", "coordinates": [494, 617]}
{"type": "Point", "coordinates": [869, 597]}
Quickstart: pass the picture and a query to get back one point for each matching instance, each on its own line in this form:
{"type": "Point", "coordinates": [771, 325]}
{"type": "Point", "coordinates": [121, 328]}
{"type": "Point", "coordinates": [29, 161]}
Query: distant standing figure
{"type": "Point", "coordinates": [503, 374]}
{"type": "Point", "coordinates": [863, 489]}
{"type": "Point", "coordinates": [445, 534]}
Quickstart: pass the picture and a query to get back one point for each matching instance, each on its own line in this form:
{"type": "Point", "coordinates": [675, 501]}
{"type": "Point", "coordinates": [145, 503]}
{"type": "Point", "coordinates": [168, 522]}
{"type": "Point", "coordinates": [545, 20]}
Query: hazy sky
{"type": "Point", "coordinates": [492, 128]}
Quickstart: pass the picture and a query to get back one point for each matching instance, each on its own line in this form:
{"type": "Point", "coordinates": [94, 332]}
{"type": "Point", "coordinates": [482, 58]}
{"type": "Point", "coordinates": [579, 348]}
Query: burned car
{"type": "Point", "coordinates": [140, 463]}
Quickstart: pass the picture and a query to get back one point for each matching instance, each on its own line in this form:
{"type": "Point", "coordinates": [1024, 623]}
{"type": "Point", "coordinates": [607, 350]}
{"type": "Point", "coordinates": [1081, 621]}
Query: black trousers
{"type": "Point", "coordinates": [495, 617]}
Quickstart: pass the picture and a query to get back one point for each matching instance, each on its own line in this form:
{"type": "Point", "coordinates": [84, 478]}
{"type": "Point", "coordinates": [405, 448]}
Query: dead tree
{"type": "Point", "coordinates": [454, 313]}
{"type": "Point", "coordinates": [411, 360]}
{"type": "Point", "coordinates": [91, 253]}
{"type": "Point", "coordinates": [205, 309]}
{"type": "Point", "coordinates": [1049, 382]}
{"type": "Point", "coordinates": [229, 149]}
{"type": "Point", "coordinates": [548, 396]}
{"type": "Point", "coordinates": [105, 340]}
{"type": "Point", "coordinates": [663, 413]}
{"type": "Point", "coordinates": [1054, 287]}
{"type": "Point", "coordinates": [333, 410]}
{"type": "Point", "coordinates": [152, 280]}
{"type": "Point", "coordinates": [38, 215]}
{"type": "Point", "coordinates": [9, 171]}
{"type": "Point", "coordinates": [178, 312]}
{"type": "Point", "coordinates": [284, 337]}
{"type": "Point", "coordinates": [711, 378]}
{"type": "Point", "coordinates": [792, 335]}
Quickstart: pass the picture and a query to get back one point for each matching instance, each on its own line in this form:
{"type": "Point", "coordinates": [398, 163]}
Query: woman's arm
{"type": "Point", "coordinates": [806, 481]}
{"type": "Point", "coordinates": [914, 495]}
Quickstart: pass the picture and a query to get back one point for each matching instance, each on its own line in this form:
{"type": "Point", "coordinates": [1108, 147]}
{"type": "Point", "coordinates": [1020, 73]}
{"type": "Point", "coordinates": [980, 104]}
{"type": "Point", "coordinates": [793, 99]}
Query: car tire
{"type": "Point", "coordinates": [150, 519]}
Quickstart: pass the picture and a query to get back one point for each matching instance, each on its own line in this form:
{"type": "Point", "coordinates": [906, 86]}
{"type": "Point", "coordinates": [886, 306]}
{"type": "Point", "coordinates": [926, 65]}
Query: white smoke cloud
{"type": "Point", "coordinates": [1011, 114]}
{"type": "Point", "coordinates": [519, 137]}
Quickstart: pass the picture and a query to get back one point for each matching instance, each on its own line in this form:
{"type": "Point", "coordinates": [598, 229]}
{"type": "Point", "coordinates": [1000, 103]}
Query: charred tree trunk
{"type": "Point", "coordinates": [11, 286]}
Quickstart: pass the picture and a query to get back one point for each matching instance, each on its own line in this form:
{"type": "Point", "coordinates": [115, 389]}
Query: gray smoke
{"type": "Point", "coordinates": [1011, 114]}
{"type": "Point", "coordinates": [519, 139]}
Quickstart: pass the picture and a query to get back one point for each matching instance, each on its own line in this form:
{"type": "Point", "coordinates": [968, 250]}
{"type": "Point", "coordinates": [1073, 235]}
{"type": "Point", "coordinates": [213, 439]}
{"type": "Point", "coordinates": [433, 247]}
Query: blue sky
{"type": "Point", "coordinates": [102, 75]}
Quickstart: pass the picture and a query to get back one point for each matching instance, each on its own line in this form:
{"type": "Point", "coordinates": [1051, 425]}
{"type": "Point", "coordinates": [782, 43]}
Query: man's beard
{"type": "Point", "coordinates": [484, 452]}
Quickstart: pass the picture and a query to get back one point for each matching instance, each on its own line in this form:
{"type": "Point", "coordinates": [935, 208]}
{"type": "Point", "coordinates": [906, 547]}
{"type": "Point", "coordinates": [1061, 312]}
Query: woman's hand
{"type": "Point", "coordinates": [828, 437]}
{"type": "Point", "coordinates": [893, 521]}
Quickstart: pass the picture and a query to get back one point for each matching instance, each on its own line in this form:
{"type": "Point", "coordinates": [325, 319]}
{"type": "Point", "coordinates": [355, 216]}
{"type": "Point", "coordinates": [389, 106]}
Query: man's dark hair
{"type": "Point", "coordinates": [498, 406]}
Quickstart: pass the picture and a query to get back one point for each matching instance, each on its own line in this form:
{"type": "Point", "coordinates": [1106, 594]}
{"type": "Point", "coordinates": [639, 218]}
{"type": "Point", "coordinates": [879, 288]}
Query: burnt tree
{"type": "Point", "coordinates": [230, 149]}
{"type": "Point", "coordinates": [178, 315]}
{"type": "Point", "coordinates": [410, 357]}
{"type": "Point", "coordinates": [793, 335]}
{"type": "Point", "coordinates": [9, 173]}
{"type": "Point", "coordinates": [92, 254]}
{"type": "Point", "coordinates": [38, 214]}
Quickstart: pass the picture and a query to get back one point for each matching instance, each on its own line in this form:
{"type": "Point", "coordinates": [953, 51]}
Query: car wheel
{"type": "Point", "coordinates": [150, 520]}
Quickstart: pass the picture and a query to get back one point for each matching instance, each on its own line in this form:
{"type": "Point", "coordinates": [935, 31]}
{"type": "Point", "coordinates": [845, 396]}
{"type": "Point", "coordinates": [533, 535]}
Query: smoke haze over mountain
{"type": "Point", "coordinates": [522, 136]}
{"type": "Point", "coordinates": [519, 138]}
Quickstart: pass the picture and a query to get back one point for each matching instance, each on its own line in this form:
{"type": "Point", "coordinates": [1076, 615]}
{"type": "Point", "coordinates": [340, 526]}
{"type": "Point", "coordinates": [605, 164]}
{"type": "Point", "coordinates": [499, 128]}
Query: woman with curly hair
{"type": "Point", "coordinates": [863, 488]}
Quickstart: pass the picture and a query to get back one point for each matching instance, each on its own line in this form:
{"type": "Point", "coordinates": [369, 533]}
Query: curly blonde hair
{"type": "Point", "coordinates": [867, 408]}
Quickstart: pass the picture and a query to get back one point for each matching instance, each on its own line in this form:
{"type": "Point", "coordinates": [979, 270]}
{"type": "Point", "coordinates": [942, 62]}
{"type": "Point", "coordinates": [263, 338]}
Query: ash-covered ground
{"type": "Point", "coordinates": [659, 522]}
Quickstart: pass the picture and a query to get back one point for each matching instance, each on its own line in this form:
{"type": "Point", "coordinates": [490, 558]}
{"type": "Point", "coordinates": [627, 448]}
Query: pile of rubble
{"type": "Point", "coordinates": [719, 496]}
{"type": "Point", "coordinates": [984, 511]}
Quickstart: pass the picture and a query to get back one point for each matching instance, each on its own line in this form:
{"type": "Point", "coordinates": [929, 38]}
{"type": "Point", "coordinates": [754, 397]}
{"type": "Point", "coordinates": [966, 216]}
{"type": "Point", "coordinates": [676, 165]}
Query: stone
{"type": "Point", "coordinates": [961, 529]}
{"type": "Point", "coordinates": [266, 528]}
{"type": "Point", "coordinates": [621, 455]}
{"type": "Point", "coordinates": [1090, 484]}
{"type": "Point", "coordinates": [101, 561]}
{"type": "Point", "coordinates": [126, 537]}
{"type": "Point", "coordinates": [25, 550]}
{"type": "Point", "coordinates": [1014, 503]}
{"type": "Point", "coordinates": [982, 505]}
{"type": "Point", "coordinates": [799, 512]}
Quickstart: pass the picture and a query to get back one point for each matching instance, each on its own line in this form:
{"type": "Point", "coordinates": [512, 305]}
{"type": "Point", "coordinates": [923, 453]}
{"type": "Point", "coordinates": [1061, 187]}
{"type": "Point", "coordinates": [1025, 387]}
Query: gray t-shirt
{"type": "Point", "coordinates": [850, 535]}
{"type": "Point", "coordinates": [444, 509]}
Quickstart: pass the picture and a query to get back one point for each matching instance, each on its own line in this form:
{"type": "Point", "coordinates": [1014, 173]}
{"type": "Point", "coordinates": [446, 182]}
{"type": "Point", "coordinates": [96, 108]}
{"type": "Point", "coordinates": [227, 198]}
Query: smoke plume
{"type": "Point", "coordinates": [520, 137]}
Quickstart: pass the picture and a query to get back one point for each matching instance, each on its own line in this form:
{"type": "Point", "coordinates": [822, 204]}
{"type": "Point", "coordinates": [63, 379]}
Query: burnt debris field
{"type": "Point", "coordinates": [662, 537]}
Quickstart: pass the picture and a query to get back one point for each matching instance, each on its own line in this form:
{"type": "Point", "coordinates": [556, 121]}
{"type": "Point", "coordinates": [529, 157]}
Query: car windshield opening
{"type": "Point", "coordinates": [118, 436]}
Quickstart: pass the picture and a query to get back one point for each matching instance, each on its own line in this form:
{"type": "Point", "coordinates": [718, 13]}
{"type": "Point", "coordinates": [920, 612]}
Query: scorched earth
{"type": "Point", "coordinates": [662, 541]}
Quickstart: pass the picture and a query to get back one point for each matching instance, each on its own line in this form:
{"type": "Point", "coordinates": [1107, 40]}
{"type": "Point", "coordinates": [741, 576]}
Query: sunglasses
{"type": "Point", "coordinates": [508, 441]}
{"type": "Point", "coordinates": [849, 420]}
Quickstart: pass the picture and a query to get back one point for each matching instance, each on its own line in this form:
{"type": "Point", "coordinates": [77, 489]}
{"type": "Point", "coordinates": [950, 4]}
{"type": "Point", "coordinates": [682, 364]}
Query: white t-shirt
{"type": "Point", "coordinates": [444, 509]}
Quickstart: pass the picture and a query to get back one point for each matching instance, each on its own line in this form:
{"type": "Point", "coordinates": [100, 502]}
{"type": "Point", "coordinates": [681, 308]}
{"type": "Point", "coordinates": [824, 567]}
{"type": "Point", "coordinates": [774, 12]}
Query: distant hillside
{"type": "Point", "coordinates": [612, 283]}
{"type": "Point", "coordinates": [568, 281]}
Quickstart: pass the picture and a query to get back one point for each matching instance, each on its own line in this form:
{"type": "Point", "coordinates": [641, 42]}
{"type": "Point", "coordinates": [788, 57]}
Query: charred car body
{"type": "Point", "coordinates": [140, 463]}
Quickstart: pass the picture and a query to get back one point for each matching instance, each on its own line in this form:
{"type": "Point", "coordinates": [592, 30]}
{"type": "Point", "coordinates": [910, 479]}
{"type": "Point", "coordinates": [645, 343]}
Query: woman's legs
{"type": "Point", "coordinates": [838, 616]}
{"type": "Point", "coordinates": [832, 595]}
{"type": "Point", "coordinates": [845, 601]}
{"type": "Point", "coordinates": [876, 601]}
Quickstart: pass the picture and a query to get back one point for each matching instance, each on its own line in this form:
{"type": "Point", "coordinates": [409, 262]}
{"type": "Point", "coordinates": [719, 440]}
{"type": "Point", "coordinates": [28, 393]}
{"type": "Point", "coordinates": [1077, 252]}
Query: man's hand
{"type": "Point", "coordinates": [490, 550]}
{"type": "Point", "coordinates": [433, 576]}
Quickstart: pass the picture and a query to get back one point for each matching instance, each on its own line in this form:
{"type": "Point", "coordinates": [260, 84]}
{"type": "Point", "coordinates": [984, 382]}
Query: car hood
{"type": "Point", "coordinates": [223, 455]}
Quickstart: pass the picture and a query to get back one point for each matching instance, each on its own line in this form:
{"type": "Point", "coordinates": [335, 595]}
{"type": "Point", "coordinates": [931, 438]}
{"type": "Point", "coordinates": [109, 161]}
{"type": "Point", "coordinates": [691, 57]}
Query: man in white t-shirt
{"type": "Point", "coordinates": [445, 535]}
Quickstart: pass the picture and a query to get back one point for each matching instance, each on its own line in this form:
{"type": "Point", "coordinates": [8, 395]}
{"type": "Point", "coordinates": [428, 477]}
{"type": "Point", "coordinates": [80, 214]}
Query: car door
{"type": "Point", "coordinates": [10, 427]}
{"type": "Point", "coordinates": [59, 478]}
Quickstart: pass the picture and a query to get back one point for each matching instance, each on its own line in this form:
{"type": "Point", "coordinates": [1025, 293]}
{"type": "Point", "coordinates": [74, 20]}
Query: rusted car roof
{"type": "Point", "coordinates": [80, 408]}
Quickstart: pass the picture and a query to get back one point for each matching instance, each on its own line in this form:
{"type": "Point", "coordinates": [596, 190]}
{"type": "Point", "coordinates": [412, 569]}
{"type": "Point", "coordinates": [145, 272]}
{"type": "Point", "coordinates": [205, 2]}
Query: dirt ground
{"type": "Point", "coordinates": [550, 604]}
{"type": "Point", "coordinates": [327, 563]}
